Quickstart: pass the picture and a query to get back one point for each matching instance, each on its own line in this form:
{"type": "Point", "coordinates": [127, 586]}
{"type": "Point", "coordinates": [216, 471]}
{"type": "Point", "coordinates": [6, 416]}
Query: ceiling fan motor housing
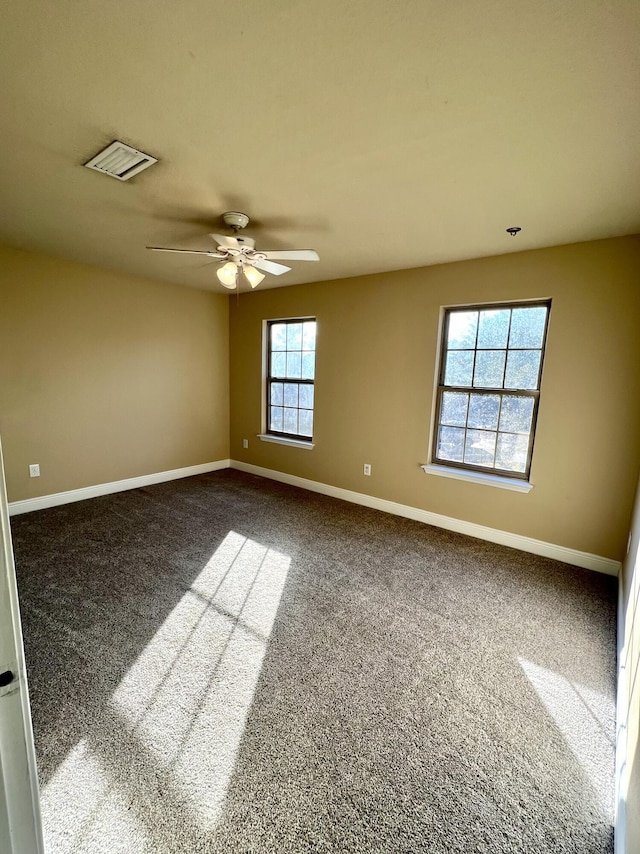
{"type": "Point", "coordinates": [235, 219]}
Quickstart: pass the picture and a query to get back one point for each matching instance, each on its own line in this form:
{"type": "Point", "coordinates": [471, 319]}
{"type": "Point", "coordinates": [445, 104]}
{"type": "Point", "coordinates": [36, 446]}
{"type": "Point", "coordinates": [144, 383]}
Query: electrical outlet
{"type": "Point", "coordinates": [367, 468]}
{"type": "Point", "coordinates": [245, 443]}
{"type": "Point", "coordinates": [34, 470]}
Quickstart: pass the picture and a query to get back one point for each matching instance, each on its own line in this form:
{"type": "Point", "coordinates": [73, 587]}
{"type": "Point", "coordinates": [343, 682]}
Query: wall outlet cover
{"type": "Point", "coordinates": [34, 470]}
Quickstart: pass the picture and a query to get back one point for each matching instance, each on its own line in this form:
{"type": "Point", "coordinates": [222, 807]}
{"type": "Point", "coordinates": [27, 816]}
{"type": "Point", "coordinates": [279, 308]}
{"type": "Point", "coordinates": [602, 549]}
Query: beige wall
{"type": "Point", "coordinates": [374, 388]}
{"type": "Point", "coordinates": [105, 376]}
{"type": "Point", "coordinates": [628, 742]}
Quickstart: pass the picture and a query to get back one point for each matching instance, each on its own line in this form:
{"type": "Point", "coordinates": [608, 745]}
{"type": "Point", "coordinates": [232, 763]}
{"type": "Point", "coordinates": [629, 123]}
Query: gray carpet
{"type": "Point", "coordinates": [227, 664]}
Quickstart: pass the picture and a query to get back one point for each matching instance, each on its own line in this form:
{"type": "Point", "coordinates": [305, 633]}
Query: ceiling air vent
{"type": "Point", "coordinates": [121, 161]}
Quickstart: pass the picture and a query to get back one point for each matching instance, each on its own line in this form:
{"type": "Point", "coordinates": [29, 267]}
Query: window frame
{"type": "Point", "coordinates": [269, 379]}
{"type": "Point", "coordinates": [528, 393]}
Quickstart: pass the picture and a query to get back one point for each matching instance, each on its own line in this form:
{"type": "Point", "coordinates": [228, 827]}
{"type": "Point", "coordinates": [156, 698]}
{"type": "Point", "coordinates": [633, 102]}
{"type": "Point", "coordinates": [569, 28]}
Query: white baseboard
{"type": "Point", "coordinates": [43, 501]}
{"type": "Point", "coordinates": [493, 535]}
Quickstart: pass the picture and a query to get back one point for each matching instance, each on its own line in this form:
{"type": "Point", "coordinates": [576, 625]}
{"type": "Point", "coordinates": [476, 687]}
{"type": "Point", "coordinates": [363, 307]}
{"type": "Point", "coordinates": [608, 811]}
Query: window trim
{"type": "Point", "coordinates": [483, 478]}
{"type": "Point", "coordinates": [277, 436]}
{"type": "Point", "coordinates": [283, 440]}
{"type": "Point", "coordinates": [469, 468]}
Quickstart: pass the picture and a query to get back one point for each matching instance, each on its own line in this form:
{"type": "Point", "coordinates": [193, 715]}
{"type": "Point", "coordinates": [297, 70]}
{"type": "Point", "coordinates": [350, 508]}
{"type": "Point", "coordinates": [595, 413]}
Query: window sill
{"type": "Point", "coordinates": [479, 477]}
{"type": "Point", "coordinates": [282, 440]}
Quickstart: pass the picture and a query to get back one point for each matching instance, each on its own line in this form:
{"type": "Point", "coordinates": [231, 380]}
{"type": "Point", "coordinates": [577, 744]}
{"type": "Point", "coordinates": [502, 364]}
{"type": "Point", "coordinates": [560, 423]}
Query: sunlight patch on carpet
{"type": "Point", "coordinates": [79, 805]}
{"type": "Point", "coordinates": [183, 703]}
{"type": "Point", "coordinates": [584, 717]}
{"type": "Point", "coordinates": [189, 693]}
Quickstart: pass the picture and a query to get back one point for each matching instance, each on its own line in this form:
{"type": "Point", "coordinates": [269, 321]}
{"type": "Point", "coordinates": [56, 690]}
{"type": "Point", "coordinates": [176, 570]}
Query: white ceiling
{"type": "Point", "coordinates": [382, 134]}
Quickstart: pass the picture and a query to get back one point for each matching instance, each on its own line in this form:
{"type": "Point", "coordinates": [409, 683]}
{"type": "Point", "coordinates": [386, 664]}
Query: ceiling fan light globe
{"type": "Point", "coordinates": [228, 275]}
{"type": "Point", "coordinates": [253, 276]}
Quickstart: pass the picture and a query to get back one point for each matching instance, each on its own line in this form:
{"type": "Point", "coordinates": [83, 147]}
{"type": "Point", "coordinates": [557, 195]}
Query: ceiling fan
{"type": "Point", "coordinates": [238, 254]}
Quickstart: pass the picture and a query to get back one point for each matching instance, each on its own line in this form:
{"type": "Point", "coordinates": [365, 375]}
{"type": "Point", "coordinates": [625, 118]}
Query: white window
{"type": "Point", "coordinates": [291, 359]}
{"type": "Point", "coordinates": [489, 387]}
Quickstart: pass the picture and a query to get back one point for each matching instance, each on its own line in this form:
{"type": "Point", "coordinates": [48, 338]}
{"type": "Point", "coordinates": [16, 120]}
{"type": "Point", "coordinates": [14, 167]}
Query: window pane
{"type": "Point", "coordinates": [490, 352]}
{"type": "Point", "coordinates": [459, 368]}
{"type": "Point", "coordinates": [290, 391]}
{"type": "Point", "coordinates": [294, 336]}
{"type": "Point", "coordinates": [278, 364]}
{"type": "Point", "coordinates": [462, 330]}
{"type": "Point", "coordinates": [294, 364]}
{"type": "Point", "coordinates": [450, 444]}
{"type": "Point", "coordinates": [489, 369]}
{"type": "Point", "coordinates": [276, 418]}
{"type": "Point", "coordinates": [483, 411]}
{"type": "Point", "coordinates": [290, 420]}
{"type": "Point", "coordinates": [522, 369]}
{"type": "Point", "coordinates": [290, 394]}
{"type": "Point", "coordinates": [493, 329]}
{"type": "Point", "coordinates": [278, 336]}
{"type": "Point", "coordinates": [306, 396]}
{"type": "Point", "coordinates": [309, 335]}
{"type": "Point", "coordinates": [527, 327]}
{"type": "Point", "coordinates": [511, 453]}
{"type": "Point", "coordinates": [305, 422]}
{"type": "Point", "coordinates": [453, 409]}
{"type": "Point", "coordinates": [276, 394]}
{"type": "Point", "coordinates": [479, 448]}
{"type": "Point", "coordinates": [516, 413]}
{"type": "Point", "coordinates": [308, 364]}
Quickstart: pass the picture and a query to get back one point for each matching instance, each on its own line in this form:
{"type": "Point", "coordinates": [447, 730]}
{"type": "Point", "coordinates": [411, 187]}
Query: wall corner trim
{"type": "Point", "coordinates": [492, 535]}
{"type": "Point", "coordinates": [28, 505]}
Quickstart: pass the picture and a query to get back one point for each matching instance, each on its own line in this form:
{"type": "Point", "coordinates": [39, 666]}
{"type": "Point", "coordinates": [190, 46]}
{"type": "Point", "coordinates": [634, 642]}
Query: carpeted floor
{"type": "Point", "coordinates": [227, 664]}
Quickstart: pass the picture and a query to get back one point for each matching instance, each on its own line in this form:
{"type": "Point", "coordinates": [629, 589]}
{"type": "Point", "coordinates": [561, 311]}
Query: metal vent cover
{"type": "Point", "coordinates": [121, 161]}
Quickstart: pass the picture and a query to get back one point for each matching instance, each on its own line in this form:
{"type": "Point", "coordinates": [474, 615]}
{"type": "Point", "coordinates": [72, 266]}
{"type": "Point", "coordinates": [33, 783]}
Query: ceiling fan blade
{"type": "Point", "coordinates": [187, 251]}
{"type": "Point", "coordinates": [225, 240]}
{"type": "Point", "coordinates": [270, 267]}
{"type": "Point", "coordinates": [291, 254]}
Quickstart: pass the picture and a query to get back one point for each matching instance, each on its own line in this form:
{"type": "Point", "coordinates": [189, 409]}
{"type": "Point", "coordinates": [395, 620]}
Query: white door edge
{"type": "Point", "coordinates": [20, 819]}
